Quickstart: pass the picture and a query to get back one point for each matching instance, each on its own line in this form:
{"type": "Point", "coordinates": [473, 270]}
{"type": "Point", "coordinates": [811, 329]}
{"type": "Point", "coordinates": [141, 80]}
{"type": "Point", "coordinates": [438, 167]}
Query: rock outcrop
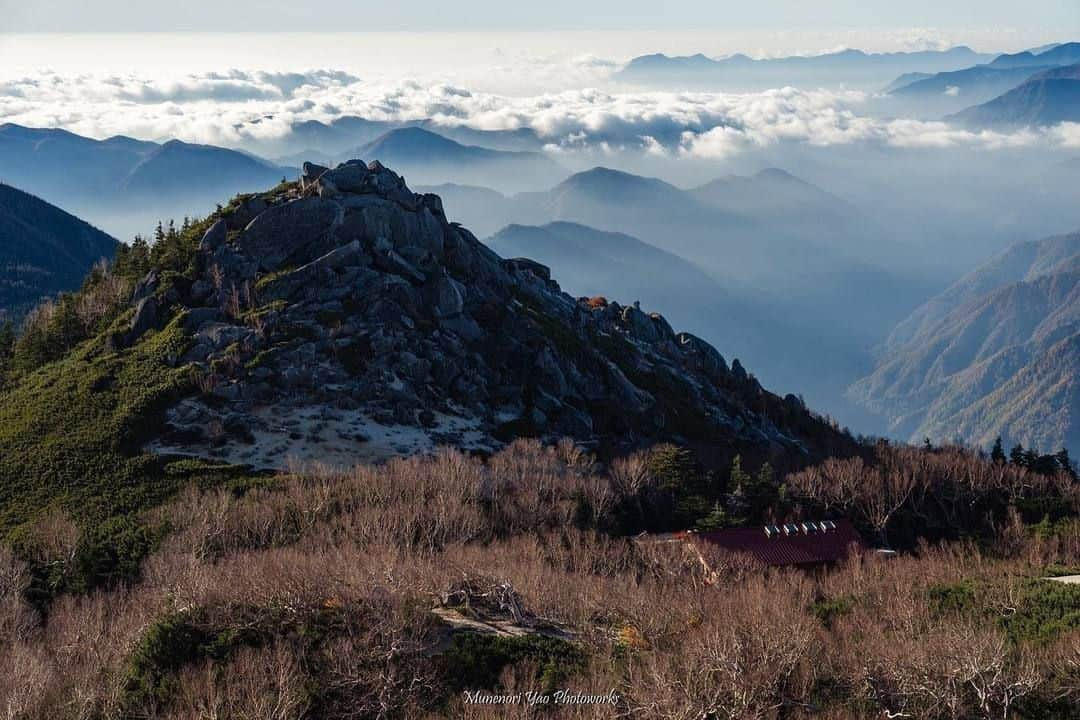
{"type": "Point", "coordinates": [345, 318]}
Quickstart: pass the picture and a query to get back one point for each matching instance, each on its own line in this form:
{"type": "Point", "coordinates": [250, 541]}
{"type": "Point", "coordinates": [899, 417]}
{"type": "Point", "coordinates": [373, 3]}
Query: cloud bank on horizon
{"type": "Point", "coordinates": [239, 108]}
{"type": "Point", "coordinates": [335, 15]}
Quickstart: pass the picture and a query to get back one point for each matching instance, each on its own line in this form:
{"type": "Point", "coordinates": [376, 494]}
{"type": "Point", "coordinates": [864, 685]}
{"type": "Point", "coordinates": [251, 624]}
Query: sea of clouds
{"type": "Point", "coordinates": [244, 108]}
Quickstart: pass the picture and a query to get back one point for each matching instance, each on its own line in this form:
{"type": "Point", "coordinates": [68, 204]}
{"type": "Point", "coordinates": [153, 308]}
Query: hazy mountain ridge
{"type": "Point", "coordinates": [1048, 98]}
{"type": "Point", "coordinates": [743, 229]}
{"type": "Point", "coordinates": [130, 183]}
{"type": "Point", "coordinates": [337, 138]}
{"type": "Point", "coordinates": [769, 234]}
{"type": "Point", "coordinates": [43, 250]}
{"type": "Point", "coordinates": [428, 157]}
{"type": "Point", "coordinates": [166, 170]}
{"type": "Point", "coordinates": [951, 91]}
{"type": "Point", "coordinates": [970, 84]}
{"type": "Point", "coordinates": [1023, 261]}
{"type": "Point", "coordinates": [845, 67]}
{"type": "Point", "coordinates": [760, 332]}
{"type": "Point", "coordinates": [784, 258]}
{"type": "Point", "coordinates": [1059, 54]}
{"type": "Point", "coordinates": [990, 356]}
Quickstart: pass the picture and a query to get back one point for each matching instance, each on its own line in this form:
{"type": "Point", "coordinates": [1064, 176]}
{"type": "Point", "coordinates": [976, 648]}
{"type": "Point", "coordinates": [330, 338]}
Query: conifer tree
{"type": "Point", "coordinates": [997, 453]}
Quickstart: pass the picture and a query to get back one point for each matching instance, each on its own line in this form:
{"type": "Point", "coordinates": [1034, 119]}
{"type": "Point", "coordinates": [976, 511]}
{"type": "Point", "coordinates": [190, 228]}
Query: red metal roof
{"type": "Point", "coordinates": [782, 549]}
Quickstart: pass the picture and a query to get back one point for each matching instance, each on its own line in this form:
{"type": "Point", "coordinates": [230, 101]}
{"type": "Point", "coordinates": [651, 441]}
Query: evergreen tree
{"type": "Point", "coordinates": [737, 477]}
{"type": "Point", "coordinates": [997, 453]}
{"type": "Point", "coordinates": [738, 506]}
{"type": "Point", "coordinates": [715, 520]}
{"type": "Point", "coordinates": [738, 499]}
{"type": "Point", "coordinates": [1016, 455]}
{"type": "Point", "coordinates": [674, 468]}
{"type": "Point", "coordinates": [1065, 463]}
{"type": "Point", "coordinates": [7, 339]}
{"type": "Point", "coordinates": [7, 347]}
{"type": "Point", "coordinates": [761, 492]}
{"type": "Point", "coordinates": [681, 498]}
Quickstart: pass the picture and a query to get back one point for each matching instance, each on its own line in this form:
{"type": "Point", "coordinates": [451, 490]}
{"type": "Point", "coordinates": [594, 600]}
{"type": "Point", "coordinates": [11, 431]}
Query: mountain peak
{"type": "Point", "coordinates": [347, 307]}
{"type": "Point", "coordinates": [775, 173]}
{"type": "Point", "coordinates": [610, 179]}
{"type": "Point", "coordinates": [414, 132]}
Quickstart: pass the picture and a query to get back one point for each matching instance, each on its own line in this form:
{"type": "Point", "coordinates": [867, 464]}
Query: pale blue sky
{"type": "Point", "coordinates": [1061, 17]}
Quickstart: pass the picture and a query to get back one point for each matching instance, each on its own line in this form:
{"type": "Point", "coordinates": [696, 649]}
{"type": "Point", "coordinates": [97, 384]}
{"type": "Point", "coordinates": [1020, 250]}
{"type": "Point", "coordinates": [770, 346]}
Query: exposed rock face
{"type": "Point", "coordinates": [345, 318]}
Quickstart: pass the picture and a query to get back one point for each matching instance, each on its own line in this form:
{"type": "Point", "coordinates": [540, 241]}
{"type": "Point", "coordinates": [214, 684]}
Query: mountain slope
{"type": "Point", "coordinates": [169, 170]}
{"type": "Point", "coordinates": [1021, 262]}
{"type": "Point", "coordinates": [123, 184]}
{"type": "Point", "coordinates": [1048, 98]}
{"type": "Point", "coordinates": [337, 138]}
{"type": "Point", "coordinates": [623, 202]}
{"type": "Point", "coordinates": [793, 205]}
{"type": "Point", "coordinates": [594, 262]}
{"type": "Point", "coordinates": [792, 255]}
{"type": "Point", "coordinates": [481, 208]}
{"type": "Point", "coordinates": [429, 157]}
{"type": "Point", "coordinates": [770, 235]}
{"type": "Point", "coordinates": [415, 334]}
{"type": "Point", "coordinates": [43, 250]}
{"type": "Point", "coordinates": [993, 355]}
{"type": "Point", "coordinates": [66, 167]}
{"type": "Point", "coordinates": [1061, 54]}
{"type": "Point", "coordinates": [949, 92]}
{"type": "Point", "coordinates": [588, 260]}
{"type": "Point", "coordinates": [847, 67]}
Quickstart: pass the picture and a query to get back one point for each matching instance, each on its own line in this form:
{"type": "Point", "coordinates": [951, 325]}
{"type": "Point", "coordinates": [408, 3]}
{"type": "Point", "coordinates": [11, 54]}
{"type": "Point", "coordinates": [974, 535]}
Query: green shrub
{"type": "Point", "coordinates": [953, 599]}
{"type": "Point", "coordinates": [168, 645]}
{"type": "Point", "coordinates": [827, 611]}
{"type": "Point", "coordinates": [476, 661]}
{"type": "Point", "coordinates": [1047, 610]}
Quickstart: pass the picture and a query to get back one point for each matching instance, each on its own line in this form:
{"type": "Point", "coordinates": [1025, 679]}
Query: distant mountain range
{"type": "Point", "coordinates": [950, 91]}
{"type": "Point", "coordinates": [595, 262]}
{"type": "Point", "coordinates": [426, 157]}
{"type": "Point", "coordinates": [998, 353]}
{"type": "Point", "coordinates": [333, 141]}
{"type": "Point", "coordinates": [845, 68]}
{"type": "Point", "coordinates": [611, 264]}
{"type": "Point", "coordinates": [163, 170]}
{"type": "Point", "coordinates": [782, 258]}
{"type": "Point", "coordinates": [767, 232]}
{"type": "Point", "coordinates": [127, 183]}
{"type": "Point", "coordinates": [589, 260]}
{"type": "Point", "coordinates": [1048, 98]}
{"type": "Point", "coordinates": [43, 251]}
{"type": "Point", "coordinates": [1061, 54]}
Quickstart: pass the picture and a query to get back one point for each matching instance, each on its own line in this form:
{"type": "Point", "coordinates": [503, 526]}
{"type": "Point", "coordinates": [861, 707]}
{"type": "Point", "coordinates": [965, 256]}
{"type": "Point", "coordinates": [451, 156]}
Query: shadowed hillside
{"type": "Point", "coordinates": [43, 251]}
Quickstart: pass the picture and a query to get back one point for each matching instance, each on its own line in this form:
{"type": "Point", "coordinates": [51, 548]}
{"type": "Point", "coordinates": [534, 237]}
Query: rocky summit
{"type": "Point", "coordinates": [344, 317]}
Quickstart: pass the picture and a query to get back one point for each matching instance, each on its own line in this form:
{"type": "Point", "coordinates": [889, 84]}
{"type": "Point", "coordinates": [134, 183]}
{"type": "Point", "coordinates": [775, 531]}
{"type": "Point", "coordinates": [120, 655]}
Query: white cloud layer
{"type": "Point", "coordinates": [246, 109]}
